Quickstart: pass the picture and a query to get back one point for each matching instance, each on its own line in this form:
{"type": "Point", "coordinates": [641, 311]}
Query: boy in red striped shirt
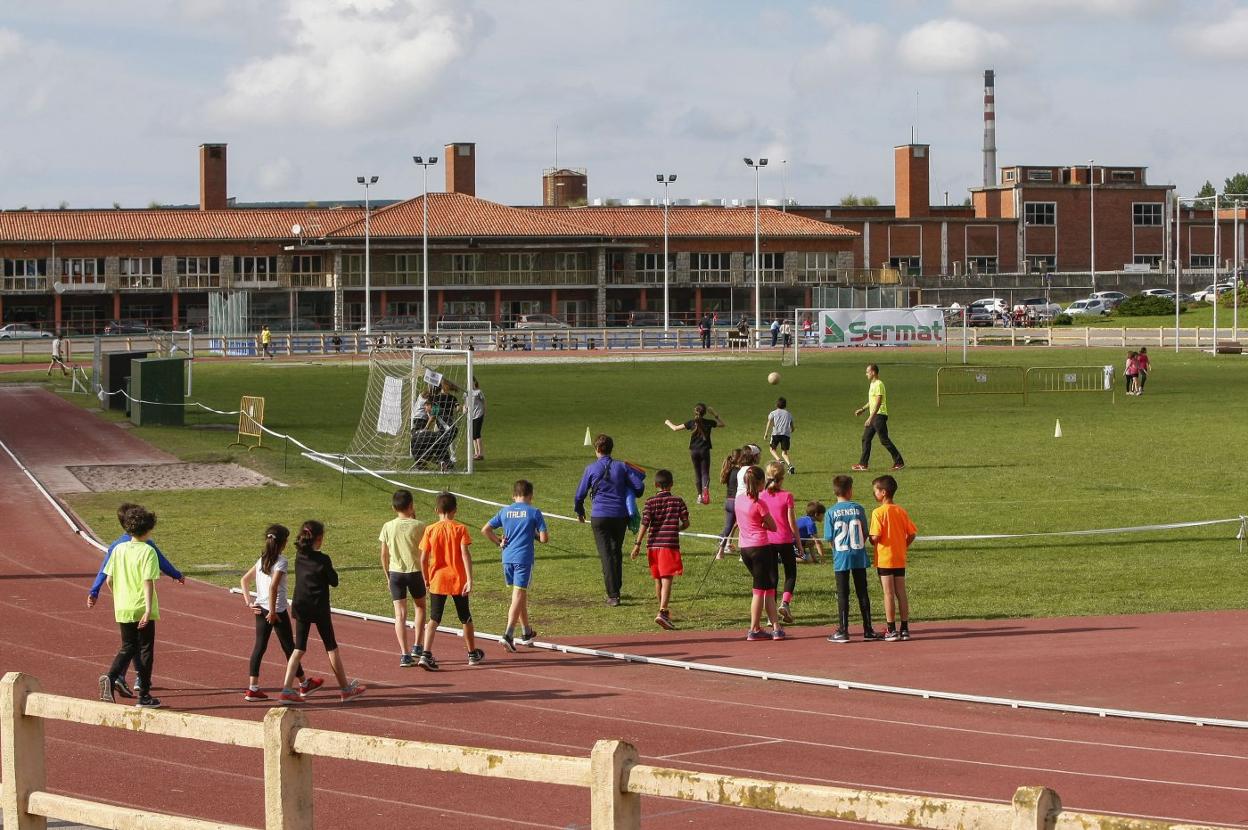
{"type": "Point", "coordinates": [663, 518]}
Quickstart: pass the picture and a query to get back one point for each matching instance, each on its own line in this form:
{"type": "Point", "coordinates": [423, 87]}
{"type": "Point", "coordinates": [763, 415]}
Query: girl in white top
{"type": "Point", "coordinates": [271, 609]}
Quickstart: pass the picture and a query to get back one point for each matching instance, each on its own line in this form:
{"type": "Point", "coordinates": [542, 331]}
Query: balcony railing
{"type": "Point", "coordinates": [483, 279]}
{"type": "Point", "coordinates": [24, 284]}
{"type": "Point", "coordinates": [141, 282]}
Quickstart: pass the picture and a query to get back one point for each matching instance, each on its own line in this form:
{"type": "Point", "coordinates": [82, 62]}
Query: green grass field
{"type": "Point", "coordinates": [976, 465]}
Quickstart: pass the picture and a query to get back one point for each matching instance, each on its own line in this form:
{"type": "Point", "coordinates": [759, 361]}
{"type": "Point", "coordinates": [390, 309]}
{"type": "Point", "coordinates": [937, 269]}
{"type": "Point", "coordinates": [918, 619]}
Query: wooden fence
{"type": "Point", "coordinates": [612, 773]}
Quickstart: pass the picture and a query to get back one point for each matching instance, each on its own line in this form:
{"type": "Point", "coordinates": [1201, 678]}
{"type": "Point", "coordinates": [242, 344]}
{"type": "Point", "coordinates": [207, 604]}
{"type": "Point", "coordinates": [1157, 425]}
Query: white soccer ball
{"type": "Point", "coordinates": [773, 378]}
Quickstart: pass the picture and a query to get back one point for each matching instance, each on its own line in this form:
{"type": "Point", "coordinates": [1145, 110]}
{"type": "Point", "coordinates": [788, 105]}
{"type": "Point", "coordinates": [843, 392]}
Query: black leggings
{"type": "Point", "coordinates": [437, 605]}
{"type": "Point", "coordinates": [730, 520]}
{"type": "Point", "coordinates": [761, 563]}
{"type": "Point", "coordinates": [138, 645]}
{"type": "Point", "coordinates": [701, 469]}
{"type": "Point", "coordinates": [323, 619]}
{"type": "Point", "coordinates": [285, 638]}
{"type": "Point", "coordinates": [788, 557]}
{"type": "Point", "coordinates": [842, 598]}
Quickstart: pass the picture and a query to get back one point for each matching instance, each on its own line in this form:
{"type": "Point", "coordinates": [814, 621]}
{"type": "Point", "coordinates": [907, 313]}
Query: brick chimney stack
{"type": "Point", "coordinates": [212, 170]}
{"type": "Point", "coordinates": [911, 180]}
{"type": "Point", "coordinates": [461, 168]}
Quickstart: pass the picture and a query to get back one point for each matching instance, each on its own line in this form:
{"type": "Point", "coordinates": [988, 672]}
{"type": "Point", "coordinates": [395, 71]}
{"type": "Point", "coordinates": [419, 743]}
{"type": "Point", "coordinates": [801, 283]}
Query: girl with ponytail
{"type": "Point", "coordinates": [271, 610]}
{"type": "Point", "coordinates": [700, 446]}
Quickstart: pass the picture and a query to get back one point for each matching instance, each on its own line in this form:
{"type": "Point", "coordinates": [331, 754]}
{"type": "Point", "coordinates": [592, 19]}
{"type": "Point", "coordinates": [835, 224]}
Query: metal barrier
{"type": "Point", "coordinates": [980, 380]}
{"type": "Point", "coordinates": [1071, 379]}
{"type": "Point", "coordinates": [612, 773]}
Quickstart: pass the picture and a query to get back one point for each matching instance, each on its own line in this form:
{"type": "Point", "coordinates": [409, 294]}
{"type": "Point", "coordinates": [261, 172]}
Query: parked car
{"type": "Point", "coordinates": [126, 327]}
{"type": "Point", "coordinates": [644, 318]}
{"type": "Point", "coordinates": [1044, 308]}
{"type": "Point", "coordinates": [540, 321]}
{"type": "Point", "coordinates": [1086, 308]}
{"type": "Point", "coordinates": [21, 331]}
{"type": "Point", "coordinates": [996, 304]}
{"type": "Point", "coordinates": [1111, 299]}
{"type": "Point", "coordinates": [1210, 291]}
{"type": "Point", "coordinates": [1158, 292]}
{"type": "Point", "coordinates": [981, 315]}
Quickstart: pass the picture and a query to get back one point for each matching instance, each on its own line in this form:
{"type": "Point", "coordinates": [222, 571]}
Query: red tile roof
{"type": "Point", "coordinates": [456, 215]}
{"type": "Point", "coordinates": [689, 221]}
{"type": "Point", "coordinates": [168, 224]}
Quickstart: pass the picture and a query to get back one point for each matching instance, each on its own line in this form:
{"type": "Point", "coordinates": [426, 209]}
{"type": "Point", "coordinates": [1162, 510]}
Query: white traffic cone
{"type": "Point", "coordinates": [1057, 430]}
{"type": "Point", "coordinates": [589, 440]}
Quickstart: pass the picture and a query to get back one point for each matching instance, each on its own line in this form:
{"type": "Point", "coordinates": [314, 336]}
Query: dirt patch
{"type": "Point", "coordinates": [180, 476]}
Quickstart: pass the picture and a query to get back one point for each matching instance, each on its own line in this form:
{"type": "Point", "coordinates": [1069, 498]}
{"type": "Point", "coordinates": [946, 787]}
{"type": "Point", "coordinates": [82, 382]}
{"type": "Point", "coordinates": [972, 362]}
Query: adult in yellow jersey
{"type": "Point", "coordinates": [877, 421]}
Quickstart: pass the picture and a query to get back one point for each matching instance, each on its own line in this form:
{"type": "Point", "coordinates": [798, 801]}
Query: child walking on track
{"type": "Point", "coordinates": [314, 576]}
{"type": "Point", "coordinates": [445, 559]}
{"type": "Point", "coordinates": [753, 524]}
{"type": "Point", "coordinates": [271, 610]}
{"type": "Point", "coordinates": [780, 428]}
{"type": "Point", "coordinates": [662, 519]}
{"type": "Point", "coordinates": [132, 571]}
{"type": "Point", "coordinates": [892, 533]}
{"type": "Point", "coordinates": [783, 539]}
{"type": "Point", "coordinates": [700, 447]}
{"type": "Point", "coordinates": [93, 593]}
{"type": "Point", "coordinates": [522, 524]}
{"type": "Point", "coordinates": [845, 529]}
{"type": "Point", "coordinates": [400, 562]}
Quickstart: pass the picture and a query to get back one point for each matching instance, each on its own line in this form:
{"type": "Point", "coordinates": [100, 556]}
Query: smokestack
{"type": "Point", "coordinates": [460, 162]}
{"type": "Point", "coordinates": [990, 129]}
{"type": "Point", "coordinates": [212, 169]}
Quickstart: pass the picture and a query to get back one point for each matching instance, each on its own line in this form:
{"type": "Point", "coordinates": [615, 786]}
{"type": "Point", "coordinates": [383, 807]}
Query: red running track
{"type": "Point", "coordinates": [548, 702]}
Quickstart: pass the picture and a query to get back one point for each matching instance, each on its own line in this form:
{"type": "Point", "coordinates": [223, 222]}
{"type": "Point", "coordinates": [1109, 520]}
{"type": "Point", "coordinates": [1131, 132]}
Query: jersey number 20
{"type": "Point", "coordinates": [849, 536]}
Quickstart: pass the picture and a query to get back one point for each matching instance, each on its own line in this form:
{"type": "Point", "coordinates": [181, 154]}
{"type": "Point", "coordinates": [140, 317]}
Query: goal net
{"type": "Point", "coordinates": [980, 380]}
{"type": "Point", "coordinates": [415, 416]}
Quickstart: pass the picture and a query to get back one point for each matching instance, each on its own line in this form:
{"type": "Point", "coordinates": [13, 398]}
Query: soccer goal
{"type": "Point", "coordinates": [980, 380]}
{"type": "Point", "coordinates": [415, 413]}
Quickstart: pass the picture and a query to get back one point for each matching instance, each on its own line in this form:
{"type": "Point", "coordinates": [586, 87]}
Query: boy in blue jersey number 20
{"type": "Point", "coordinates": [845, 529]}
{"type": "Point", "coordinates": [522, 524]}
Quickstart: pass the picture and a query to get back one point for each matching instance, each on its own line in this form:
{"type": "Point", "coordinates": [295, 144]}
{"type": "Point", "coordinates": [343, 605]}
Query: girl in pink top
{"type": "Point", "coordinates": [754, 522]}
{"type": "Point", "coordinates": [780, 504]}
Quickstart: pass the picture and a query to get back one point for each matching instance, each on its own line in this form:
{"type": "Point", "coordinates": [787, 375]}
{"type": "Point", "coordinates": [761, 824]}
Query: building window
{"type": "Point", "coordinates": [569, 262]}
{"type": "Point", "coordinates": [1039, 175]}
{"type": "Point", "coordinates": [1122, 175]}
{"type": "Point", "coordinates": [405, 270]}
{"type": "Point", "coordinates": [710, 267]}
{"type": "Point", "coordinates": [140, 272]}
{"type": "Point", "coordinates": [906, 264]}
{"type": "Point", "coordinates": [465, 264]}
{"type": "Point", "coordinates": [1009, 175]}
{"type": "Point", "coordinates": [521, 263]}
{"type": "Point", "coordinates": [1040, 213]}
{"type": "Point", "coordinates": [1042, 262]}
{"type": "Point", "coordinates": [1153, 261]}
{"type": "Point", "coordinates": [1146, 214]}
{"type": "Point", "coordinates": [82, 271]}
{"type": "Point", "coordinates": [24, 274]}
{"type": "Point", "coordinates": [649, 267]}
{"type": "Point", "coordinates": [771, 267]}
{"type": "Point", "coordinates": [307, 271]}
{"type": "Point", "coordinates": [255, 268]}
{"type": "Point", "coordinates": [199, 271]}
{"type": "Point", "coordinates": [820, 268]}
{"type": "Point", "coordinates": [1201, 261]}
{"type": "Point", "coordinates": [981, 264]}
{"type": "Point", "coordinates": [465, 310]}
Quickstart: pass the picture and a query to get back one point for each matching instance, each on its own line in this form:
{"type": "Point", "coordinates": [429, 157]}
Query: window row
{"type": "Point", "coordinates": [1143, 214]}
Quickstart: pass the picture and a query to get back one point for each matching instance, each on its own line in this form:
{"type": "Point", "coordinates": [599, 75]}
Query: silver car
{"type": "Point", "coordinates": [22, 331]}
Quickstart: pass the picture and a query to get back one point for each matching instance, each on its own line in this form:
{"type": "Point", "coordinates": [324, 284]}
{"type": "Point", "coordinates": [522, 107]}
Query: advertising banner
{"type": "Point", "coordinates": [840, 327]}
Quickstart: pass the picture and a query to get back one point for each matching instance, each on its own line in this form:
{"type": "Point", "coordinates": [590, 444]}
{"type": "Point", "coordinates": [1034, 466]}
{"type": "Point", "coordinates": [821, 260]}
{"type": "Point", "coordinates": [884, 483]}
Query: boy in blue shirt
{"type": "Point", "coordinates": [93, 593]}
{"type": "Point", "coordinates": [522, 524]}
{"type": "Point", "coordinates": [845, 529]}
{"type": "Point", "coordinates": [808, 532]}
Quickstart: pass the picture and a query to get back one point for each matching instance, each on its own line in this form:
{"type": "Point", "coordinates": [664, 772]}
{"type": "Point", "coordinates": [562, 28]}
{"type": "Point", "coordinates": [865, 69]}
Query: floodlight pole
{"type": "Point", "coordinates": [1178, 265]}
{"type": "Point", "coordinates": [666, 179]}
{"type": "Point", "coordinates": [1092, 220]}
{"type": "Point", "coordinates": [1217, 253]}
{"type": "Point", "coordinates": [425, 163]}
{"type": "Point", "coordinates": [367, 181]}
{"type": "Point", "coordinates": [758, 265]}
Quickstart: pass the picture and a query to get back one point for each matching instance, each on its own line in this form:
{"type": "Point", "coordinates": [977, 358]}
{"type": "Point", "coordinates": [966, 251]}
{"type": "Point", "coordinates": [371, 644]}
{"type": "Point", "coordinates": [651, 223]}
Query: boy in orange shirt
{"type": "Point", "coordinates": [892, 533]}
{"type": "Point", "coordinates": [447, 566]}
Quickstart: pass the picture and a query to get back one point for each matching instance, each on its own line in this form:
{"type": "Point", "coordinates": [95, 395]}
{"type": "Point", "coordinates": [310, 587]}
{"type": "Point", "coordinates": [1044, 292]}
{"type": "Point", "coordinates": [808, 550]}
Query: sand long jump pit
{"type": "Point", "coordinates": [103, 478]}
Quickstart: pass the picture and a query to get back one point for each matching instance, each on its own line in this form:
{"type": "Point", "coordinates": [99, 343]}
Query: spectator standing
{"type": "Point", "coordinates": [608, 484]}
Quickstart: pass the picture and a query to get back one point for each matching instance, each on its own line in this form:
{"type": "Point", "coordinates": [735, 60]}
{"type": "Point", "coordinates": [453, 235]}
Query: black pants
{"type": "Point", "coordinates": [437, 607]}
{"type": "Point", "coordinates": [139, 645]}
{"type": "Point", "coordinates": [701, 469]}
{"type": "Point", "coordinates": [285, 638]}
{"type": "Point", "coordinates": [878, 426]}
{"type": "Point", "coordinates": [706, 339]}
{"type": "Point", "coordinates": [609, 537]}
{"type": "Point", "coordinates": [730, 520]}
{"type": "Point", "coordinates": [842, 598]}
{"type": "Point", "coordinates": [788, 558]}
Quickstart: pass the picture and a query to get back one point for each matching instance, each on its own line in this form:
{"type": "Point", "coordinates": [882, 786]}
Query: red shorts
{"type": "Point", "coordinates": [665, 562]}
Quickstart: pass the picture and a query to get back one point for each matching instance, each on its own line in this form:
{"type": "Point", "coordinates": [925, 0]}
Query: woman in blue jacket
{"type": "Point", "coordinates": [608, 483]}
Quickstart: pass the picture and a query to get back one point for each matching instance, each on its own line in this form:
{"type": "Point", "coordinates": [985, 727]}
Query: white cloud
{"type": "Point", "coordinates": [351, 62]}
{"type": "Point", "coordinates": [850, 43]}
{"type": "Point", "coordinates": [1056, 10]}
{"type": "Point", "coordinates": [10, 43]}
{"type": "Point", "coordinates": [276, 175]}
{"type": "Point", "coordinates": [951, 46]}
{"type": "Point", "coordinates": [1225, 39]}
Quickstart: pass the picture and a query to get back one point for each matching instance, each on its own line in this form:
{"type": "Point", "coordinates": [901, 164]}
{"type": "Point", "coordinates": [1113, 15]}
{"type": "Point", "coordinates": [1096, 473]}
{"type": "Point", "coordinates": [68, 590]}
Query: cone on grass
{"type": "Point", "coordinates": [589, 439]}
{"type": "Point", "coordinates": [1057, 430]}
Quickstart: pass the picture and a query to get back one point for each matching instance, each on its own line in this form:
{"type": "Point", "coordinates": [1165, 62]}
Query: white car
{"type": "Point", "coordinates": [1158, 292]}
{"type": "Point", "coordinates": [1086, 308]}
{"type": "Point", "coordinates": [1043, 308]}
{"type": "Point", "coordinates": [996, 304]}
{"type": "Point", "coordinates": [21, 331]}
{"type": "Point", "coordinates": [1111, 299]}
{"type": "Point", "coordinates": [1207, 295]}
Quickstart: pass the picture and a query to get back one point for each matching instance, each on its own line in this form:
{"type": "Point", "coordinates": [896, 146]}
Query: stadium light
{"type": "Point", "coordinates": [758, 274]}
{"type": "Point", "coordinates": [1092, 220]}
{"type": "Point", "coordinates": [425, 163]}
{"type": "Point", "coordinates": [368, 182]}
{"type": "Point", "coordinates": [666, 179]}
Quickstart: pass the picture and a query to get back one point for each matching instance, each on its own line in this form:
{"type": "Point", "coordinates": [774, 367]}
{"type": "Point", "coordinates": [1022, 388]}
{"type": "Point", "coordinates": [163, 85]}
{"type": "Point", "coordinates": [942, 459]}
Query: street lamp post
{"type": "Point", "coordinates": [425, 163]}
{"type": "Point", "coordinates": [367, 181]}
{"type": "Point", "coordinates": [1092, 220]}
{"type": "Point", "coordinates": [758, 273]}
{"type": "Point", "coordinates": [665, 179]}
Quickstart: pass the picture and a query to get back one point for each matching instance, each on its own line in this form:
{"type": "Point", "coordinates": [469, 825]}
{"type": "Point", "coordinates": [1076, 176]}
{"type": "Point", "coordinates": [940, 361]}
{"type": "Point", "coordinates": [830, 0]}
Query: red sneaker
{"type": "Point", "coordinates": [254, 696]}
{"type": "Point", "coordinates": [310, 685]}
{"type": "Point", "coordinates": [290, 696]}
{"type": "Point", "coordinates": [706, 495]}
{"type": "Point", "coordinates": [352, 689]}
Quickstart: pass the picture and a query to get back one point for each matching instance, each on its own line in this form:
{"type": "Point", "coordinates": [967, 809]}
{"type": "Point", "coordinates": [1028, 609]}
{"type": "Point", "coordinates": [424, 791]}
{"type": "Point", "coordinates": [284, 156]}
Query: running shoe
{"type": "Point", "coordinates": [839, 636]}
{"type": "Point", "coordinates": [427, 662]}
{"type": "Point", "coordinates": [892, 636]}
{"type": "Point", "coordinates": [757, 634]}
{"type": "Point", "coordinates": [905, 634]}
{"type": "Point", "coordinates": [613, 601]}
{"type": "Point", "coordinates": [309, 685]}
{"type": "Point", "coordinates": [120, 687]}
{"type": "Point", "coordinates": [527, 638]}
{"type": "Point", "coordinates": [777, 634]}
{"type": "Point", "coordinates": [663, 620]}
{"type": "Point", "coordinates": [792, 470]}
{"type": "Point", "coordinates": [407, 661]}
{"type": "Point", "coordinates": [352, 689]}
{"type": "Point", "coordinates": [785, 614]}
{"type": "Point", "coordinates": [508, 642]}
{"type": "Point", "coordinates": [148, 702]}
{"type": "Point", "coordinates": [255, 696]}
{"type": "Point", "coordinates": [106, 689]}
{"type": "Point", "coordinates": [706, 495]}
{"type": "Point", "coordinates": [870, 635]}
{"type": "Point", "coordinates": [859, 468]}
{"type": "Point", "coordinates": [417, 650]}
{"type": "Point", "coordinates": [290, 696]}
{"type": "Point", "coordinates": [476, 657]}
{"type": "Point", "coordinates": [900, 465]}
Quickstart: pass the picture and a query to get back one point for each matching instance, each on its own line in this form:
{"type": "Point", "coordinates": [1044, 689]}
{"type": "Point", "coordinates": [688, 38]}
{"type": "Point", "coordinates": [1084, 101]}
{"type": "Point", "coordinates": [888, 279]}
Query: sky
{"type": "Point", "coordinates": [106, 103]}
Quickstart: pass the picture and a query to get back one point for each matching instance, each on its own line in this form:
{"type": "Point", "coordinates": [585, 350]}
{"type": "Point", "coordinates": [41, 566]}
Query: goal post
{"type": "Point", "coordinates": [980, 380]}
{"type": "Point", "coordinates": [837, 328]}
{"type": "Point", "coordinates": [1071, 379]}
{"type": "Point", "coordinates": [415, 415]}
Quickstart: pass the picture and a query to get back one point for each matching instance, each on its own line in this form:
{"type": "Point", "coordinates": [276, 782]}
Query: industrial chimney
{"type": "Point", "coordinates": [990, 129]}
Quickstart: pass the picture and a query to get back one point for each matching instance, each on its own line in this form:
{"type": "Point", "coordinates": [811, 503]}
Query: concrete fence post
{"type": "Point", "coordinates": [22, 746]}
{"type": "Point", "coordinates": [1035, 808]}
{"type": "Point", "coordinates": [287, 774]}
{"type": "Point", "coordinates": [611, 807]}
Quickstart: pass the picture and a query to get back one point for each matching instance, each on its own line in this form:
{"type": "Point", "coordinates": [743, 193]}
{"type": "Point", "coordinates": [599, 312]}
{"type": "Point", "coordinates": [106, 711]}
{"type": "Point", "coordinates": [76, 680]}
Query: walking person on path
{"type": "Point", "coordinates": [58, 356]}
{"type": "Point", "coordinates": [700, 428]}
{"type": "Point", "coordinates": [704, 330]}
{"type": "Point", "coordinates": [877, 421]}
{"type": "Point", "coordinates": [609, 484]}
